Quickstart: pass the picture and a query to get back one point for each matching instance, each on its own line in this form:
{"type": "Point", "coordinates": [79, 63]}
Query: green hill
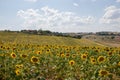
{"type": "Point", "coordinates": [22, 38]}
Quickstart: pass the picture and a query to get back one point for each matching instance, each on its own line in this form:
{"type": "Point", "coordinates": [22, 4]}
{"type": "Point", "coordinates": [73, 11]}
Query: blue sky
{"type": "Point", "coordinates": [60, 15]}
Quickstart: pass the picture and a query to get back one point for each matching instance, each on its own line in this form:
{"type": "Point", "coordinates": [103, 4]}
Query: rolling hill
{"type": "Point", "coordinates": [88, 40]}
{"type": "Point", "coordinates": [112, 41]}
{"type": "Point", "coordinates": [22, 38]}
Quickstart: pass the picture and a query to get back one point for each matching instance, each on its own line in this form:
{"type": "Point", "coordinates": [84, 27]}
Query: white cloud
{"type": "Point", "coordinates": [75, 4]}
{"type": "Point", "coordinates": [32, 0]}
{"type": "Point", "coordinates": [111, 16]}
{"type": "Point", "coordinates": [52, 19]}
{"type": "Point", "coordinates": [117, 0]}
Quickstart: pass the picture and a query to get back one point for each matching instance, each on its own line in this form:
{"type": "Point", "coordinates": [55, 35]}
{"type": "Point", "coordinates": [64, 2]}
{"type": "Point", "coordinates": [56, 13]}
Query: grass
{"type": "Point", "coordinates": [41, 39]}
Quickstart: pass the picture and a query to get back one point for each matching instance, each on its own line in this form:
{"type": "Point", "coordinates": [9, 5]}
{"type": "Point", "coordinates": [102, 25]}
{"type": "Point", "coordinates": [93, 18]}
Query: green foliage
{"type": "Point", "coordinates": [55, 58]}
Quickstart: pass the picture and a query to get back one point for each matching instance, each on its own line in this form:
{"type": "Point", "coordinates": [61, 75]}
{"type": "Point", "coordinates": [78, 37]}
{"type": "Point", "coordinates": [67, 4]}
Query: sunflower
{"type": "Point", "coordinates": [84, 56]}
{"type": "Point", "coordinates": [13, 55]}
{"type": "Point", "coordinates": [62, 55]}
{"type": "Point", "coordinates": [71, 62]}
{"type": "Point", "coordinates": [110, 53]}
{"type": "Point", "coordinates": [39, 52]}
{"type": "Point", "coordinates": [23, 55]}
{"type": "Point", "coordinates": [92, 57]}
{"type": "Point", "coordinates": [73, 56]}
{"type": "Point", "coordinates": [17, 71]}
{"type": "Point", "coordinates": [67, 55]}
{"type": "Point", "coordinates": [118, 63]}
{"type": "Point", "coordinates": [48, 50]}
{"type": "Point", "coordinates": [101, 59]}
{"type": "Point", "coordinates": [34, 59]}
{"type": "Point", "coordinates": [103, 73]}
{"type": "Point", "coordinates": [19, 66]}
{"type": "Point", "coordinates": [93, 61]}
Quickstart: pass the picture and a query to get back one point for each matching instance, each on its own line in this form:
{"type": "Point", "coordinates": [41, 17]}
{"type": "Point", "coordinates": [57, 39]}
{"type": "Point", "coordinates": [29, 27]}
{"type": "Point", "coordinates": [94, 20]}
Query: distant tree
{"type": "Point", "coordinates": [112, 37]}
{"type": "Point", "coordinates": [46, 32]}
{"type": "Point", "coordinates": [7, 30]}
{"type": "Point", "coordinates": [78, 36]}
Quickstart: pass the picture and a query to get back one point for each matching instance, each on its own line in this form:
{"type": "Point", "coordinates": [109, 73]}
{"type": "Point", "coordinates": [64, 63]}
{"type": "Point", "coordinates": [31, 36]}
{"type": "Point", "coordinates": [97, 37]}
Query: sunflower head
{"type": "Point", "coordinates": [101, 59]}
{"type": "Point", "coordinates": [73, 55]}
{"type": "Point", "coordinates": [84, 56]}
{"type": "Point", "coordinates": [48, 50]}
{"type": "Point", "coordinates": [62, 55]}
{"type": "Point", "coordinates": [39, 52]}
{"type": "Point", "coordinates": [17, 72]}
{"type": "Point", "coordinates": [67, 55]}
{"type": "Point", "coordinates": [91, 57]}
{"type": "Point", "coordinates": [23, 55]}
{"type": "Point", "coordinates": [103, 73]}
{"type": "Point", "coordinates": [93, 61]}
{"type": "Point", "coordinates": [19, 66]}
{"type": "Point", "coordinates": [13, 55]}
{"type": "Point", "coordinates": [118, 63]}
{"type": "Point", "coordinates": [71, 62]}
{"type": "Point", "coordinates": [34, 59]}
{"type": "Point", "coordinates": [110, 53]}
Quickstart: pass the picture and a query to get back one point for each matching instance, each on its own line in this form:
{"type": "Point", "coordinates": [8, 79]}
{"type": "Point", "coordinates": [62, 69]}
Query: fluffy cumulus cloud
{"type": "Point", "coordinates": [117, 0]}
{"type": "Point", "coordinates": [111, 16]}
{"type": "Point", "coordinates": [49, 18]}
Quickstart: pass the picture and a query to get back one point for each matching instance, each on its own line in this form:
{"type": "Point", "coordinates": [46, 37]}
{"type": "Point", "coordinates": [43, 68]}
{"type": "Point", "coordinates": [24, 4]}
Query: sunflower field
{"type": "Point", "coordinates": [20, 61]}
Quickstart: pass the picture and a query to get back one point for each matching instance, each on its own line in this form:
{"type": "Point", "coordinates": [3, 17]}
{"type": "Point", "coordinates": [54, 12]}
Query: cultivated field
{"type": "Point", "coordinates": [34, 57]}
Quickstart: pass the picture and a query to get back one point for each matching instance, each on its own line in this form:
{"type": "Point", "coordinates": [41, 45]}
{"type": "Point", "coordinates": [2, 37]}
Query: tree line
{"type": "Point", "coordinates": [73, 35]}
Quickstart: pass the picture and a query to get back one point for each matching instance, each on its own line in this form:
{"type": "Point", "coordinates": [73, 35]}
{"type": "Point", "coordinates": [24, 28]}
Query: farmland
{"type": "Point", "coordinates": [40, 57]}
